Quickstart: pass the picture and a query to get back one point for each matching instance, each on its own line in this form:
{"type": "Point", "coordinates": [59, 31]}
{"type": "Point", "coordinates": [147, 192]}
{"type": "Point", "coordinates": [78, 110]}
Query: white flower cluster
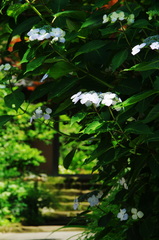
{"type": "Point", "coordinates": [57, 34]}
{"type": "Point", "coordinates": [123, 183]}
{"type": "Point", "coordinates": [122, 215]}
{"type": "Point", "coordinates": [137, 48]}
{"type": "Point", "coordinates": [94, 98]}
{"type": "Point", "coordinates": [39, 113]}
{"type": "Point", "coordinates": [5, 67]}
{"type": "Point", "coordinates": [120, 15]}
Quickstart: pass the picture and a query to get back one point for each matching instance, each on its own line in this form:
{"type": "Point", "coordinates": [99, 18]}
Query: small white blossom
{"type": "Point", "coordinates": [122, 215]}
{"type": "Point", "coordinates": [137, 48]}
{"type": "Point", "coordinates": [5, 67]}
{"type": "Point", "coordinates": [76, 97]}
{"type": "Point", "coordinates": [48, 110]}
{"type": "Point", "coordinates": [113, 17]}
{"type": "Point", "coordinates": [105, 18]}
{"type": "Point", "coordinates": [76, 204]}
{"type": "Point", "coordinates": [130, 19]}
{"type": "Point", "coordinates": [90, 98]}
{"type": "Point", "coordinates": [108, 98]}
{"type": "Point", "coordinates": [154, 45]}
{"type": "Point", "coordinates": [121, 15]}
{"type": "Point", "coordinates": [123, 183]}
{"type": "Point", "coordinates": [136, 214]}
{"type": "Point", "coordinates": [93, 200]}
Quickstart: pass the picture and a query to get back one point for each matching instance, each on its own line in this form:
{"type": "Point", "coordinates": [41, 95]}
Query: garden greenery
{"type": "Point", "coordinates": [97, 62]}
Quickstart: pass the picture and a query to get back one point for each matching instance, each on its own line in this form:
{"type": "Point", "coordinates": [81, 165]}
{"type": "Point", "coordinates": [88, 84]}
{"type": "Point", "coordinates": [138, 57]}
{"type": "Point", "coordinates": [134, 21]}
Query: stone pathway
{"type": "Point", "coordinates": [61, 234]}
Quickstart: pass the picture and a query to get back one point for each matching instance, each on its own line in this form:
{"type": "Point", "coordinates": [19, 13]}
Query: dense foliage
{"type": "Point", "coordinates": [106, 52]}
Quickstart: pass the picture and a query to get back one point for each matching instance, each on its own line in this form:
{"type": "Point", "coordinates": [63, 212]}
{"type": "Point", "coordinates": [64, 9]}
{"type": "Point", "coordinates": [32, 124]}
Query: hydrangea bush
{"type": "Point", "coordinates": [98, 63]}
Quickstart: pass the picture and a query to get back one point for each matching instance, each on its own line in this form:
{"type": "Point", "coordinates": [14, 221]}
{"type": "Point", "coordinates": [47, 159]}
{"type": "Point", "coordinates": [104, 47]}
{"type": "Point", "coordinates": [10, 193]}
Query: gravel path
{"type": "Point", "coordinates": [61, 235]}
{"type": "Point", "coordinates": [43, 233]}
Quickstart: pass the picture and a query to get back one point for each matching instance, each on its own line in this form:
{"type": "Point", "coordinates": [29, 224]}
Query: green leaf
{"type": "Point", "coordinates": [28, 55]}
{"type": "Point", "coordinates": [78, 117]}
{"type": "Point", "coordinates": [35, 64]}
{"type": "Point", "coordinates": [61, 87]}
{"type": "Point", "coordinates": [16, 9]}
{"type": "Point", "coordinates": [145, 66]}
{"type": "Point", "coordinates": [92, 127]}
{"type": "Point", "coordinates": [58, 5]}
{"type": "Point", "coordinates": [68, 159]}
{"type": "Point", "coordinates": [154, 137]}
{"type": "Point", "coordinates": [40, 91]}
{"type": "Point", "coordinates": [96, 153]}
{"type": "Point", "coordinates": [156, 83]}
{"type": "Point", "coordinates": [138, 128]}
{"type": "Point", "coordinates": [25, 25]}
{"type": "Point", "coordinates": [60, 69]}
{"type": "Point", "coordinates": [119, 58]}
{"type": "Point", "coordinates": [4, 119]}
{"type": "Point", "coordinates": [100, 3]}
{"type": "Point", "coordinates": [108, 30]}
{"type": "Point", "coordinates": [62, 107]}
{"type": "Point", "coordinates": [138, 97]}
{"type": "Point", "coordinates": [15, 99]}
{"type": "Point", "coordinates": [141, 23]}
{"type": "Point", "coordinates": [92, 22]}
{"type": "Point", "coordinates": [104, 220]}
{"type": "Point", "coordinates": [153, 114]}
{"type": "Point", "coordinates": [80, 15]}
{"type": "Point", "coordinates": [90, 46]}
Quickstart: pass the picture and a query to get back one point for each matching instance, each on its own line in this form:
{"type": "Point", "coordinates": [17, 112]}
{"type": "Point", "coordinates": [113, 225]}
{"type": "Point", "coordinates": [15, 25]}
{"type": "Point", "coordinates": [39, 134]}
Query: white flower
{"type": "Point", "coordinates": [94, 98]}
{"type": "Point", "coordinates": [154, 45]}
{"type": "Point", "coordinates": [108, 98]}
{"type": "Point", "coordinates": [137, 48]}
{"type": "Point", "coordinates": [76, 97]}
{"type": "Point", "coordinates": [90, 98]}
{"type": "Point", "coordinates": [123, 183]}
{"type": "Point", "coordinates": [121, 15]}
{"type": "Point", "coordinates": [122, 215]}
{"type": "Point", "coordinates": [76, 204]}
{"type": "Point", "coordinates": [105, 18]}
{"type": "Point", "coordinates": [136, 214]}
{"type": "Point", "coordinates": [130, 19]}
{"type": "Point", "coordinates": [7, 66]}
{"type": "Point", "coordinates": [93, 200]}
{"type": "Point", "coordinates": [62, 40]}
{"type": "Point", "coordinates": [114, 17]}
{"type": "Point", "coordinates": [38, 113]}
{"type": "Point", "coordinates": [48, 110]}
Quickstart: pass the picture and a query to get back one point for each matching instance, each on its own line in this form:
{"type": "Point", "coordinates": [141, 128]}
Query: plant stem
{"type": "Point", "coordinates": [37, 12]}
